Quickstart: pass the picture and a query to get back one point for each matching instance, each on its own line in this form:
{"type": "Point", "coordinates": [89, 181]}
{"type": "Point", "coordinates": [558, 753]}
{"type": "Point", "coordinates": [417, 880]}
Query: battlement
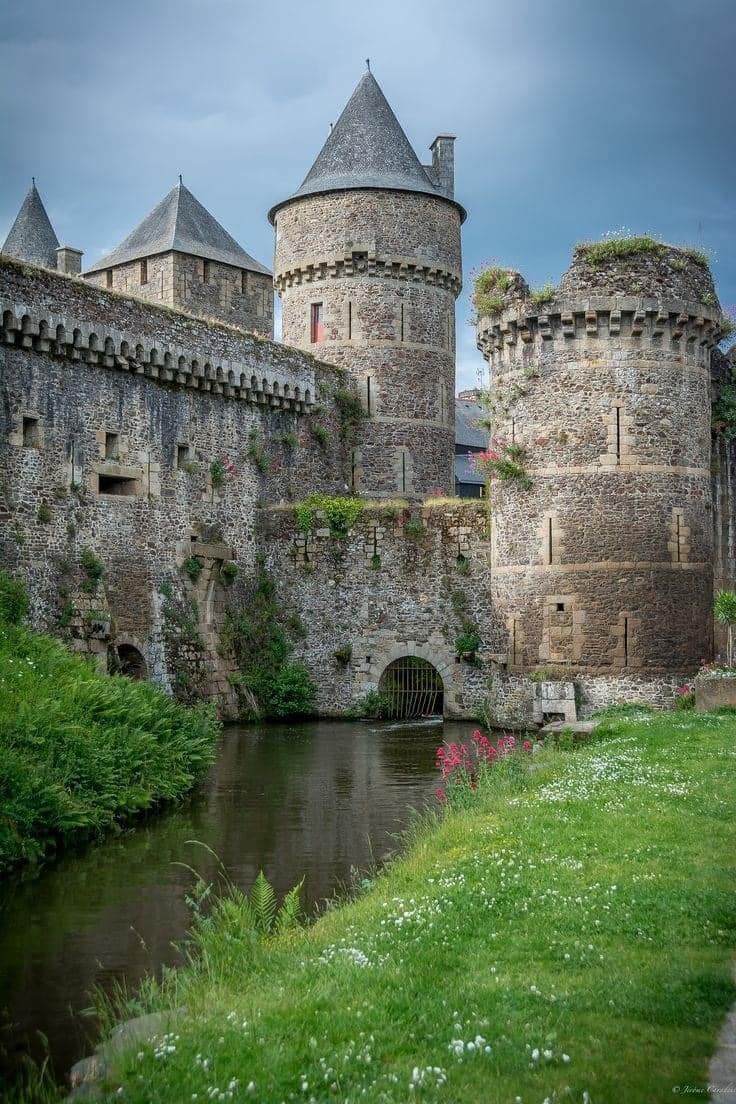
{"type": "Point", "coordinates": [505, 338]}
{"type": "Point", "coordinates": [67, 318]}
{"type": "Point", "coordinates": [365, 261]}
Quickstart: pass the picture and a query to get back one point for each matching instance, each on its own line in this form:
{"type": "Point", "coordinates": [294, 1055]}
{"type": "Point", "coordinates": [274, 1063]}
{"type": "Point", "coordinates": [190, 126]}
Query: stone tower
{"type": "Point", "coordinates": [181, 255]}
{"type": "Point", "coordinates": [368, 267]}
{"type": "Point", "coordinates": [603, 397]}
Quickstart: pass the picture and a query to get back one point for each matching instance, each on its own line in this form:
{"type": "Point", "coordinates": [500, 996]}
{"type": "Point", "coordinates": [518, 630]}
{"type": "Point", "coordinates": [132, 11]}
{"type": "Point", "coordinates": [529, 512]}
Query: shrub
{"type": "Point", "coordinates": [724, 608]}
{"type": "Point", "coordinates": [414, 528]}
{"type": "Point", "coordinates": [217, 473]}
{"type": "Point", "coordinates": [684, 697]}
{"type": "Point", "coordinates": [375, 562]}
{"type": "Point", "coordinates": [373, 705]}
{"type": "Point", "coordinates": [93, 568]}
{"type": "Point", "coordinates": [344, 654]}
{"type": "Point", "coordinates": [505, 462]}
{"type": "Point", "coordinates": [289, 440]}
{"type": "Point", "coordinates": [340, 513]}
{"type": "Point", "coordinates": [468, 641]}
{"type": "Point", "coordinates": [350, 410]}
{"type": "Point", "coordinates": [462, 564]}
{"type": "Point", "coordinates": [256, 453]}
{"type": "Point", "coordinates": [615, 248]}
{"type": "Point", "coordinates": [319, 433]}
{"type": "Point", "coordinates": [80, 751]}
{"type": "Point", "coordinates": [488, 288]}
{"type": "Point", "coordinates": [269, 683]}
{"type": "Point", "coordinates": [13, 599]}
{"type": "Point", "coordinates": [192, 568]}
{"type": "Point", "coordinates": [465, 770]}
{"type": "Point", "coordinates": [541, 296]}
{"type": "Point", "coordinates": [229, 571]}
{"type": "Point", "coordinates": [44, 514]}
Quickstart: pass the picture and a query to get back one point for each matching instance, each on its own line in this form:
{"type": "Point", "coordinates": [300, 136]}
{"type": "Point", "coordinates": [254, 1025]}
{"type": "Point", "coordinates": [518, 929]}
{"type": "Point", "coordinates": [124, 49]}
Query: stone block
{"type": "Point", "coordinates": [714, 693]}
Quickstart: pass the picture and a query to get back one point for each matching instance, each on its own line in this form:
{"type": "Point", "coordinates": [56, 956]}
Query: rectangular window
{"type": "Point", "coordinates": [402, 321]}
{"type": "Point", "coordinates": [317, 328]}
{"type": "Point", "coordinates": [117, 485]}
{"type": "Point", "coordinates": [31, 438]}
{"type": "Point", "coordinates": [108, 277]}
{"type": "Point", "coordinates": [182, 455]}
{"type": "Point", "coordinates": [243, 282]}
{"type": "Point", "coordinates": [206, 271]}
{"type": "Point", "coordinates": [144, 271]}
{"type": "Point", "coordinates": [350, 320]}
{"type": "Point", "coordinates": [112, 451]}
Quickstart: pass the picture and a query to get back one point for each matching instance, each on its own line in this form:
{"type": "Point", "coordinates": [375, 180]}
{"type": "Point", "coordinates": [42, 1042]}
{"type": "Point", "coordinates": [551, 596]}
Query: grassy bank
{"type": "Point", "coordinates": [567, 936]}
{"type": "Point", "coordinates": [81, 752]}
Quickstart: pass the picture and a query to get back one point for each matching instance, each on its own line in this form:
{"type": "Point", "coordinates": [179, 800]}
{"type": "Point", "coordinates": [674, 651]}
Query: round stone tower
{"type": "Point", "coordinates": [601, 500]}
{"type": "Point", "coordinates": [368, 267]}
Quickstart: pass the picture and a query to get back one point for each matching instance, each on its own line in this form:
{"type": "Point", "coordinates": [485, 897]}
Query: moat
{"type": "Point", "coordinates": [311, 800]}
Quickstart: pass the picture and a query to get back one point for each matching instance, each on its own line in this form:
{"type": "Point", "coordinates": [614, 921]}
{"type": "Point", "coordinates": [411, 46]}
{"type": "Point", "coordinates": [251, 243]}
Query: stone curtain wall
{"type": "Point", "coordinates": [232, 295]}
{"type": "Point", "coordinates": [113, 415]}
{"type": "Point", "coordinates": [724, 498]}
{"type": "Point", "coordinates": [606, 563]}
{"type": "Point", "coordinates": [413, 601]}
{"type": "Point", "coordinates": [386, 267]}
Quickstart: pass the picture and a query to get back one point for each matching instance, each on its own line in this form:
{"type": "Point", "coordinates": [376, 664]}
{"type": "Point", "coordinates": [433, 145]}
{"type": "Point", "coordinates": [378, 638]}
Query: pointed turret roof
{"type": "Point", "coordinates": [366, 148]}
{"type": "Point", "coordinates": [32, 236]}
{"type": "Point", "coordinates": [180, 223]}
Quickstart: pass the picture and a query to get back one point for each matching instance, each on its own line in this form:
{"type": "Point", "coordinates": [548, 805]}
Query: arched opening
{"type": "Point", "coordinates": [413, 687]}
{"type": "Point", "coordinates": [131, 662]}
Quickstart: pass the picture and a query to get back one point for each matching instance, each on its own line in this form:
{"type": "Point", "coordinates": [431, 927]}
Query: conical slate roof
{"type": "Point", "coordinates": [180, 223]}
{"type": "Point", "coordinates": [366, 148]}
{"type": "Point", "coordinates": [32, 236]}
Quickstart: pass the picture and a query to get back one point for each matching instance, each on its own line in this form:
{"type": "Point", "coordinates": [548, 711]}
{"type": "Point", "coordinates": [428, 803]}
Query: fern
{"type": "Point", "coordinates": [263, 903]}
{"type": "Point", "coordinates": [289, 915]}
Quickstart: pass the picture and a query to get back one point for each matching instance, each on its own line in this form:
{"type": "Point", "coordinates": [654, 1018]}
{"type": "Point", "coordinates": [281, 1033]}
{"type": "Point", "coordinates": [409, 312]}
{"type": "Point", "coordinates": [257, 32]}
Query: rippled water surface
{"type": "Point", "coordinates": [309, 801]}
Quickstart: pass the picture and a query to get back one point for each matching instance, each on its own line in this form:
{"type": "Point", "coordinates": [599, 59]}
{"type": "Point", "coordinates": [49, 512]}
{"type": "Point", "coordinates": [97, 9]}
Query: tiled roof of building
{"type": "Point", "coordinates": [366, 148]}
{"type": "Point", "coordinates": [468, 430]}
{"type": "Point", "coordinates": [32, 236]}
{"type": "Point", "coordinates": [465, 472]}
{"type": "Point", "coordinates": [180, 223]}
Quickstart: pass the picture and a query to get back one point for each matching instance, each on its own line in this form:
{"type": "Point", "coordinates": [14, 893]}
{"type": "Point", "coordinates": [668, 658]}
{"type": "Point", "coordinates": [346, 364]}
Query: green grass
{"type": "Point", "coordinates": [80, 752]}
{"type": "Point", "coordinates": [578, 916]}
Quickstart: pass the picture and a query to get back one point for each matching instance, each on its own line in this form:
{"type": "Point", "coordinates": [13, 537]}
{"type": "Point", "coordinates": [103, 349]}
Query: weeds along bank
{"type": "Point", "coordinates": [81, 752]}
{"type": "Point", "coordinates": [563, 932]}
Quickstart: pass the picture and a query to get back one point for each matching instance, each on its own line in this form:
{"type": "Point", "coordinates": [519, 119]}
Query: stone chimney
{"type": "Point", "coordinates": [443, 163]}
{"type": "Point", "coordinates": [69, 260]}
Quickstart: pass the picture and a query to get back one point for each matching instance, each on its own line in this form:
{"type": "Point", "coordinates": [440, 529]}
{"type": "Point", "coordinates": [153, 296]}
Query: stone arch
{"type": "Point", "coordinates": [130, 658]}
{"type": "Point", "coordinates": [413, 687]}
{"type": "Point", "coordinates": [438, 654]}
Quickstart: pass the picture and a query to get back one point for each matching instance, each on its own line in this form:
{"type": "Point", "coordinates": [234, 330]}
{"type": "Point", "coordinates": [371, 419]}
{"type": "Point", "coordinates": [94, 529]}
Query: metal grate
{"type": "Point", "coordinates": [413, 687]}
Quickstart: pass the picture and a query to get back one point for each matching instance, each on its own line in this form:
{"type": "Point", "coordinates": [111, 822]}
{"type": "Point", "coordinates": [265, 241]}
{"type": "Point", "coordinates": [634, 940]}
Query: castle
{"type": "Point", "coordinates": [155, 441]}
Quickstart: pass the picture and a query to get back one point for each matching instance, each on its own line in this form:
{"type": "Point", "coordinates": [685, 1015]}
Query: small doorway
{"type": "Point", "coordinates": [414, 688]}
{"type": "Point", "coordinates": [131, 662]}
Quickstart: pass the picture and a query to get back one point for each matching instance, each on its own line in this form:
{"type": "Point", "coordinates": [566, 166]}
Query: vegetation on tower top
{"type": "Point", "coordinates": [620, 247]}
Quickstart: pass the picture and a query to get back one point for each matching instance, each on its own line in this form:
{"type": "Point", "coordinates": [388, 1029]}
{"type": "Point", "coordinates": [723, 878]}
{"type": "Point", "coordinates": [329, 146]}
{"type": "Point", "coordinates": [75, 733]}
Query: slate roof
{"type": "Point", "coordinates": [467, 431]}
{"type": "Point", "coordinates": [180, 223]}
{"type": "Point", "coordinates": [366, 148]}
{"type": "Point", "coordinates": [32, 236]}
{"type": "Point", "coordinates": [465, 472]}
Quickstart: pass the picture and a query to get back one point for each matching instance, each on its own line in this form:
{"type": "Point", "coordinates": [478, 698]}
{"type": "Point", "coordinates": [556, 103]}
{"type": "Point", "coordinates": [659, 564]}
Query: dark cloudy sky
{"type": "Point", "coordinates": [573, 117]}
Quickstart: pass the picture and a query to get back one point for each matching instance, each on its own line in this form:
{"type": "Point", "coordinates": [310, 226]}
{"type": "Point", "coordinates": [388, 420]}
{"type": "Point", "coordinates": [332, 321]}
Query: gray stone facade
{"type": "Point", "coordinates": [606, 563]}
{"type": "Point", "coordinates": [385, 269]}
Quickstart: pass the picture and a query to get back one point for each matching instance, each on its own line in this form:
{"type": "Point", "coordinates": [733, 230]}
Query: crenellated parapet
{"type": "Point", "coordinates": [365, 261]}
{"type": "Point", "coordinates": [75, 339]}
{"type": "Point", "coordinates": [686, 328]}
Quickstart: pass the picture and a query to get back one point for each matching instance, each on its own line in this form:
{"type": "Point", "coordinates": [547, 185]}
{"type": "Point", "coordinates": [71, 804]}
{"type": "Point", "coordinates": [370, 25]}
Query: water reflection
{"type": "Point", "coordinates": [302, 801]}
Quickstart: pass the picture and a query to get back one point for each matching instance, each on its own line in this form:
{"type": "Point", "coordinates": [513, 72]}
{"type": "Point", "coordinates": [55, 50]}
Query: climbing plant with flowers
{"type": "Point", "coordinates": [505, 461]}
